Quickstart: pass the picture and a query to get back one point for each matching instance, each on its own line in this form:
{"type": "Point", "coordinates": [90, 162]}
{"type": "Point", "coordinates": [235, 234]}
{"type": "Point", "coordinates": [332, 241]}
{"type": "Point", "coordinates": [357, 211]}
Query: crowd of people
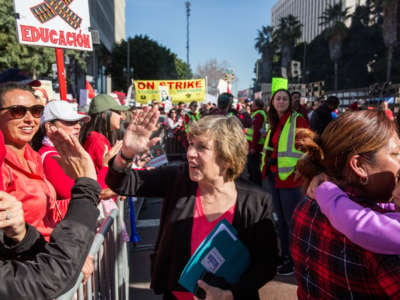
{"type": "Point", "coordinates": [309, 191]}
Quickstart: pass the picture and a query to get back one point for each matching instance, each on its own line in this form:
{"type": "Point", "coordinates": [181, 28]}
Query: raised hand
{"type": "Point", "coordinates": [108, 154]}
{"type": "Point", "coordinates": [73, 159]}
{"type": "Point", "coordinates": [12, 220]}
{"type": "Point", "coordinates": [137, 136]}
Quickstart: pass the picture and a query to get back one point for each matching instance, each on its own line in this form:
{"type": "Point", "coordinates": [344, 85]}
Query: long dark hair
{"type": "Point", "coordinates": [100, 123]}
{"type": "Point", "coordinates": [273, 117]}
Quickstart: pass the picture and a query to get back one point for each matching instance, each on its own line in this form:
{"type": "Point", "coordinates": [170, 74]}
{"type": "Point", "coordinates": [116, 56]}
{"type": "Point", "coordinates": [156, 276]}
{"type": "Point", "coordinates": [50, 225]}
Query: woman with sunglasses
{"type": "Point", "coordinates": [22, 170]}
{"type": "Point", "coordinates": [99, 136]}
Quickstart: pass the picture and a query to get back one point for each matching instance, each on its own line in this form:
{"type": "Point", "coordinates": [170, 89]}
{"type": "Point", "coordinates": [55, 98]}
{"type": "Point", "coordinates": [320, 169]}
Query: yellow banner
{"type": "Point", "coordinates": [176, 91]}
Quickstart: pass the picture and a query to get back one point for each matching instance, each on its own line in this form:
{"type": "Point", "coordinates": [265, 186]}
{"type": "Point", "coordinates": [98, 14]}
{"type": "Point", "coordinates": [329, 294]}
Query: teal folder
{"type": "Point", "coordinates": [220, 253]}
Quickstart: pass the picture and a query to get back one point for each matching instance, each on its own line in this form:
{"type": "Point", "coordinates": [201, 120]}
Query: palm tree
{"type": "Point", "coordinates": [389, 31]}
{"type": "Point", "coordinates": [286, 35]}
{"type": "Point", "coordinates": [266, 47]}
{"type": "Point", "coordinates": [334, 18]}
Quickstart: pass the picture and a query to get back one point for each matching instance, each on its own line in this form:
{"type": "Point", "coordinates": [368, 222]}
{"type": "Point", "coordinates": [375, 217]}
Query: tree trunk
{"type": "Point", "coordinates": [389, 63]}
{"type": "Point", "coordinates": [335, 84]}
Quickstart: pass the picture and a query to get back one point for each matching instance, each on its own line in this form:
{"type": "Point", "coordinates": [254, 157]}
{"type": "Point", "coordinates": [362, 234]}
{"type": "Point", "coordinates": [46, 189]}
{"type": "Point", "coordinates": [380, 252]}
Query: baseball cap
{"type": "Point", "coordinates": [61, 110]}
{"type": "Point", "coordinates": [17, 76]}
{"type": "Point", "coordinates": [104, 102]}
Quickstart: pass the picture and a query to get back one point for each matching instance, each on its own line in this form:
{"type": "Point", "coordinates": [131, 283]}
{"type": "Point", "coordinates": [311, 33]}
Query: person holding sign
{"type": "Point", "coordinates": [278, 164]}
{"type": "Point", "coordinates": [197, 196]}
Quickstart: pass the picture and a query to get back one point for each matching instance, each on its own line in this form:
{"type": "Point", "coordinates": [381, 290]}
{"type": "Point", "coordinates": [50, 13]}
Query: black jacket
{"type": "Point", "coordinates": [35, 269]}
{"type": "Point", "coordinates": [252, 219]}
{"type": "Point", "coordinates": [321, 118]}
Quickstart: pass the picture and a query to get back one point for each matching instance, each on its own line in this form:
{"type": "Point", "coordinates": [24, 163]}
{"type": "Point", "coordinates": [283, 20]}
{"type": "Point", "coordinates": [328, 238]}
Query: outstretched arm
{"type": "Point", "coordinates": [35, 269]}
{"type": "Point", "coordinates": [374, 231]}
{"type": "Point", "coordinates": [137, 139]}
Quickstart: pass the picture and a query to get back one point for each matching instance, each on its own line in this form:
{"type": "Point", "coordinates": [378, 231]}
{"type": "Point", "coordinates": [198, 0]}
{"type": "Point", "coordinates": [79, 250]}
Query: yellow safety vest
{"type": "Point", "coordinates": [192, 117]}
{"type": "Point", "coordinates": [288, 155]}
{"type": "Point", "coordinates": [249, 131]}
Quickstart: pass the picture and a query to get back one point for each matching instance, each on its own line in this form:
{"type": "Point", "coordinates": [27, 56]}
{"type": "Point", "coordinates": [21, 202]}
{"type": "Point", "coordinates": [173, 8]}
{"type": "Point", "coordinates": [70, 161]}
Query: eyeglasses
{"type": "Point", "coordinates": [19, 111]}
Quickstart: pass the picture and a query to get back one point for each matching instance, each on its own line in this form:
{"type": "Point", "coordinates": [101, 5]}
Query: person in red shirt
{"type": "Point", "coordinates": [22, 170]}
{"type": "Point", "coordinates": [299, 105]}
{"type": "Point", "coordinates": [60, 114]}
{"type": "Point", "coordinates": [255, 137]}
{"type": "Point", "coordinates": [278, 164]}
{"type": "Point", "coordinates": [99, 136]}
{"type": "Point", "coordinates": [191, 115]}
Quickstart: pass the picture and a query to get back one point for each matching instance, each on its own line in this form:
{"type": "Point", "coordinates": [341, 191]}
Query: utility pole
{"type": "Point", "coordinates": [187, 4]}
{"type": "Point", "coordinates": [128, 63]}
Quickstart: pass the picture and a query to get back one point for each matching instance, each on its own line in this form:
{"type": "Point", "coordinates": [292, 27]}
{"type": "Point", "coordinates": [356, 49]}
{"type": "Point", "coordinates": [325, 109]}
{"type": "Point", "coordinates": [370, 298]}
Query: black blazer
{"type": "Point", "coordinates": [252, 219]}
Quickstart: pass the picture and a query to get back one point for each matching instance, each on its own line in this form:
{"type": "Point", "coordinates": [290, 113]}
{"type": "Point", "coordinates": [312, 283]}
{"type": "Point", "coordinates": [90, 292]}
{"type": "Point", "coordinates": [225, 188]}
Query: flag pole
{"type": "Point", "coordinates": [61, 73]}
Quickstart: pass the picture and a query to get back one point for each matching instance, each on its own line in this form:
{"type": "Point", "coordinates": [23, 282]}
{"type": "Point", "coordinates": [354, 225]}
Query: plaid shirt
{"type": "Point", "coordinates": [330, 266]}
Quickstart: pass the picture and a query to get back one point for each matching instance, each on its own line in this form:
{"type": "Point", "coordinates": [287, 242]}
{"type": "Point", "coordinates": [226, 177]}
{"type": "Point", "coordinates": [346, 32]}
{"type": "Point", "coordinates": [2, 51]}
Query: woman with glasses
{"type": "Point", "coordinates": [99, 136]}
{"type": "Point", "coordinates": [22, 170]}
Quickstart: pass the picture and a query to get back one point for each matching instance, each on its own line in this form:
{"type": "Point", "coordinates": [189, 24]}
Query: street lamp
{"type": "Point", "coordinates": [128, 73]}
{"type": "Point", "coordinates": [187, 5]}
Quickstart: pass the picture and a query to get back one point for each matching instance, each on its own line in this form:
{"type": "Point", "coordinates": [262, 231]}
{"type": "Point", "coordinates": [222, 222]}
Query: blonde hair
{"type": "Point", "coordinates": [229, 140]}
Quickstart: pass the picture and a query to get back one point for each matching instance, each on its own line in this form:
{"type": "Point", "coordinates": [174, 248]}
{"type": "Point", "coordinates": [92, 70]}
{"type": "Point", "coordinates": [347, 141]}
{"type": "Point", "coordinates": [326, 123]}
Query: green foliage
{"type": "Point", "coordinates": [182, 69]}
{"type": "Point", "coordinates": [150, 61]}
{"type": "Point", "coordinates": [363, 55]}
{"type": "Point", "coordinates": [34, 60]}
{"type": "Point", "coordinates": [266, 46]}
{"type": "Point", "coordinates": [286, 35]}
{"type": "Point", "coordinates": [334, 17]}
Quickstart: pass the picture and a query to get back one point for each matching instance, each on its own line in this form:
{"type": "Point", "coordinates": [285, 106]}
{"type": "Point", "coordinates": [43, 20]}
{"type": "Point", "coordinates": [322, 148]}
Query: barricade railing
{"type": "Point", "coordinates": [110, 279]}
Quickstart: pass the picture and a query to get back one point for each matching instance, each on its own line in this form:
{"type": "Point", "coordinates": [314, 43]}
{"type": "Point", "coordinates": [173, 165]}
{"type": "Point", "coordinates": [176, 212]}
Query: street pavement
{"type": "Point", "coordinates": [281, 288]}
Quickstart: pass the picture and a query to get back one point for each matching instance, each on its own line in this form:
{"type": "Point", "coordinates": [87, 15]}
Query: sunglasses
{"type": "Point", "coordinates": [19, 111]}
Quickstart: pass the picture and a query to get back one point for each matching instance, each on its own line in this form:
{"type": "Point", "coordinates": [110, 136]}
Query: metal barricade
{"type": "Point", "coordinates": [110, 279]}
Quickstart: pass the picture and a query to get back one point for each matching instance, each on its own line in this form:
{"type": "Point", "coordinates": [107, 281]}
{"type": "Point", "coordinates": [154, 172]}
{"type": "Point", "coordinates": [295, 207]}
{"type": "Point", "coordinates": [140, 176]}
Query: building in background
{"type": "Point", "coordinates": [107, 18]}
{"type": "Point", "coordinates": [308, 13]}
{"type": "Point", "coordinates": [119, 21]}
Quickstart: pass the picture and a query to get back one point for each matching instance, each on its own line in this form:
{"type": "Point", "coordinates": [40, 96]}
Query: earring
{"type": "Point", "coordinates": [364, 180]}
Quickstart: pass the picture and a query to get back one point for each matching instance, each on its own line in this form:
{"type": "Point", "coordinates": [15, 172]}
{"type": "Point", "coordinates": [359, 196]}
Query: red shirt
{"type": "Point", "coordinates": [258, 122]}
{"type": "Point", "coordinates": [389, 114]}
{"type": "Point", "coordinates": [96, 145]}
{"type": "Point", "coordinates": [31, 187]}
{"type": "Point", "coordinates": [2, 156]}
{"type": "Point", "coordinates": [200, 230]}
{"type": "Point", "coordinates": [290, 182]}
{"type": "Point", "coordinates": [55, 174]}
{"type": "Point", "coordinates": [329, 266]}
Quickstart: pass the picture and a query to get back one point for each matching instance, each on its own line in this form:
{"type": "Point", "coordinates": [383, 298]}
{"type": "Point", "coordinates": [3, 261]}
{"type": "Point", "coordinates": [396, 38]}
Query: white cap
{"type": "Point", "coordinates": [61, 110]}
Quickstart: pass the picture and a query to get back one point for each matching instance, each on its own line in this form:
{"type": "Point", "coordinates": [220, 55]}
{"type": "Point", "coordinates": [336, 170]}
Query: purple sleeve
{"type": "Point", "coordinates": [365, 227]}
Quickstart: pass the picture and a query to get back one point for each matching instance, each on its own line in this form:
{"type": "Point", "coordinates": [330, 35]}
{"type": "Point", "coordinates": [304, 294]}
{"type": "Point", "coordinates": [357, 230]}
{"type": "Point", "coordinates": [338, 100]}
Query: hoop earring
{"type": "Point", "coordinates": [364, 180]}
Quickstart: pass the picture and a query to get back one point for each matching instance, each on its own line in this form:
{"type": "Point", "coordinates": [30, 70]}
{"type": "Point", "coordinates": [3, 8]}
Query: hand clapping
{"type": "Point", "coordinates": [12, 220]}
{"type": "Point", "coordinates": [74, 160]}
